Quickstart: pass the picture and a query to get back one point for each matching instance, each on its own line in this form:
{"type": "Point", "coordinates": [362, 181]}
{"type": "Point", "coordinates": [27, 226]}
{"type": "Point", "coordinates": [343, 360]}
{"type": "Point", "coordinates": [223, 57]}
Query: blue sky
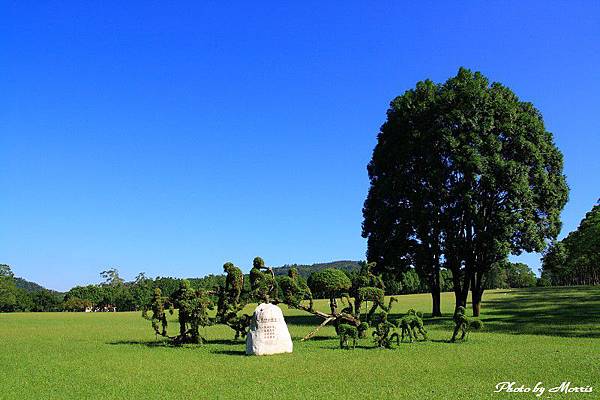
{"type": "Point", "coordinates": [170, 138]}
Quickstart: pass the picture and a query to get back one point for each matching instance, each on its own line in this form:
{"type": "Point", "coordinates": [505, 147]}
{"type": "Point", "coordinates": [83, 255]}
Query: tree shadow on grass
{"type": "Point", "coordinates": [230, 352]}
{"type": "Point", "coordinates": [556, 311]}
{"type": "Point", "coordinates": [305, 320]}
{"type": "Point", "coordinates": [169, 343]}
{"type": "Point", "coordinates": [147, 343]}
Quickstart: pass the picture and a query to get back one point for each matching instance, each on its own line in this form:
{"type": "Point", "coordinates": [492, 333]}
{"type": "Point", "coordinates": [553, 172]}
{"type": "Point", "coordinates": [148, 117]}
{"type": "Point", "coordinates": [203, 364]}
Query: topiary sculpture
{"type": "Point", "coordinates": [332, 283]}
{"type": "Point", "coordinates": [411, 325]}
{"type": "Point", "coordinates": [262, 283]}
{"type": "Point", "coordinates": [295, 290]}
{"type": "Point", "coordinates": [234, 282]}
{"type": "Point", "coordinates": [375, 295]}
{"type": "Point", "coordinates": [229, 301]}
{"type": "Point", "coordinates": [346, 332]}
{"type": "Point", "coordinates": [367, 286]}
{"type": "Point", "coordinates": [193, 308]}
{"type": "Point", "coordinates": [464, 324]}
{"type": "Point", "coordinates": [385, 333]}
{"type": "Point", "coordinates": [157, 305]}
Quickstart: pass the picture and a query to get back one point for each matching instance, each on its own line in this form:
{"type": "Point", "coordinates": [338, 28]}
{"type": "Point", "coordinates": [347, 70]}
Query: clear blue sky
{"type": "Point", "coordinates": [170, 138]}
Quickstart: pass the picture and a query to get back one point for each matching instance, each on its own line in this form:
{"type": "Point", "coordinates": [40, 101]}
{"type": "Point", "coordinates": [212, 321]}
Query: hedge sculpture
{"type": "Point", "coordinates": [464, 324]}
{"type": "Point", "coordinates": [385, 332]}
{"type": "Point", "coordinates": [193, 308]}
{"type": "Point", "coordinates": [157, 305]}
{"type": "Point", "coordinates": [367, 286]}
{"type": "Point", "coordinates": [263, 284]}
{"type": "Point", "coordinates": [229, 301]}
{"type": "Point", "coordinates": [346, 332]}
{"type": "Point", "coordinates": [231, 298]}
{"type": "Point", "coordinates": [295, 290]}
{"type": "Point", "coordinates": [411, 325]}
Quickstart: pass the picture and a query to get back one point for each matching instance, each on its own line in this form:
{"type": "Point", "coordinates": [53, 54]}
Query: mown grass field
{"type": "Point", "coordinates": [531, 335]}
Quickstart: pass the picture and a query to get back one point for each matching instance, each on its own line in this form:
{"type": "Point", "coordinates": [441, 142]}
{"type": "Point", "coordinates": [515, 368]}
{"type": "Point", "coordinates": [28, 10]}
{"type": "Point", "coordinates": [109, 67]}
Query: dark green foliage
{"type": "Point", "coordinates": [464, 324]}
{"type": "Point", "coordinates": [8, 289]}
{"type": "Point", "coordinates": [76, 304]}
{"type": "Point", "coordinates": [575, 260]}
{"type": "Point", "coordinates": [27, 285]}
{"type": "Point", "coordinates": [493, 183]}
{"type": "Point", "coordinates": [45, 300]}
{"type": "Point", "coordinates": [306, 270]}
{"type": "Point", "coordinates": [411, 325]}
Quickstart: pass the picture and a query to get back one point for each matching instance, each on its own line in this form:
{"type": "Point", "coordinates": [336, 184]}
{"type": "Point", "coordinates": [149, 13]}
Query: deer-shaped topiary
{"type": "Point", "coordinates": [411, 325]}
{"type": "Point", "coordinates": [464, 324]}
{"type": "Point", "coordinates": [385, 332]}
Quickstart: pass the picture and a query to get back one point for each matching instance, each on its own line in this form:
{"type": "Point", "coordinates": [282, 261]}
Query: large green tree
{"type": "Point", "coordinates": [463, 174]}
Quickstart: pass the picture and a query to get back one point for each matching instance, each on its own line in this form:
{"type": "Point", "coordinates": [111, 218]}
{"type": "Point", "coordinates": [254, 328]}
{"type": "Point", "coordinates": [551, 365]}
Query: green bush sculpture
{"type": "Point", "coordinates": [345, 333]}
{"type": "Point", "coordinates": [385, 332]}
{"type": "Point", "coordinates": [234, 282]}
{"type": "Point", "coordinates": [231, 298]}
{"type": "Point", "coordinates": [159, 317]}
{"type": "Point", "coordinates": [193, 308]}
{"type": "Point", "coordinates": [229, 303]}
{"type": "Point", "coordinates": [464, 324]}
{"type": "Point", "coordinates": [263, 284]}
{"type": "Point", "coordinates": [411, 325]}
{"type": "Point", "coordinates": [332, 283]}
{"type": "Point", "coordinates": [295, 289]}
{"type": "Point", "coordinates": [367, 286]}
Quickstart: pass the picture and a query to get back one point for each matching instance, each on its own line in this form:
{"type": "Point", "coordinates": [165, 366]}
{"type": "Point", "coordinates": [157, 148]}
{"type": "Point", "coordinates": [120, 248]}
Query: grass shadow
{"type": "Point", "coordinates": [230, 352]}
{"type": "Point", "coordinates": [147, 343]}
{"type": "Point", "coordinates": [556, 311]}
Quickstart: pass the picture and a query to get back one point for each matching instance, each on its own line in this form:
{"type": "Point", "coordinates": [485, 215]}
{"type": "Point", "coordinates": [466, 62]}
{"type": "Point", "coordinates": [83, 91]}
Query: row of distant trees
{"type": "Point", "coordinates": [123, 295]}
{"type": "Point", "coordinates": [575, 260]}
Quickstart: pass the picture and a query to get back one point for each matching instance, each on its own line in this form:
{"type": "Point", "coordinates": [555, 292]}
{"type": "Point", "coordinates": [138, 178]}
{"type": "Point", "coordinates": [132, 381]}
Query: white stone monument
{"type": "Point", "coordinates": [268, 332]}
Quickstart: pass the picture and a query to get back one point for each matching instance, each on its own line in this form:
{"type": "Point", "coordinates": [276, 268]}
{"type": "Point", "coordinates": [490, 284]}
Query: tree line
{"type": "Point", "coordinates": [16, 294]}
{"type": "Point", "coordinates": [575, 260]}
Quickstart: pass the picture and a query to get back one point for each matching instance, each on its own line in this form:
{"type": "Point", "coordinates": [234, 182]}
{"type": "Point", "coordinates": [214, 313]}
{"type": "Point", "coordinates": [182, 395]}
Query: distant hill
{"type": "Point", "coordinates": [305, 270]}
{"type": "Point", "coordinates": [29, 286]}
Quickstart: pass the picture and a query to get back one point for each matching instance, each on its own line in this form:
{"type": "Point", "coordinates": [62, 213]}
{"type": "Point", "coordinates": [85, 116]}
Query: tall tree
{"type": "Point", "coordinates": [463, 174]}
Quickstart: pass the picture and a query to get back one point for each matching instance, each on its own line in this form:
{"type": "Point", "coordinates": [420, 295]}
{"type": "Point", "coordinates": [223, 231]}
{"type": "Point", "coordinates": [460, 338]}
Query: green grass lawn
{"type": "Point", "coordinates": [531, 335]}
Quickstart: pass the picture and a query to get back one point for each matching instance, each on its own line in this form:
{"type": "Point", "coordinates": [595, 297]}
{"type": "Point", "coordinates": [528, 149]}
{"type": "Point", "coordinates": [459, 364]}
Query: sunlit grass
{"type": "Point", "coordinates": [531, 335]}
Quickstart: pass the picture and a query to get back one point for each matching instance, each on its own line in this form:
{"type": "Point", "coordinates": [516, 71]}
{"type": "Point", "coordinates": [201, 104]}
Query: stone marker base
{"type": "Point", "coordinates": [268, 332]}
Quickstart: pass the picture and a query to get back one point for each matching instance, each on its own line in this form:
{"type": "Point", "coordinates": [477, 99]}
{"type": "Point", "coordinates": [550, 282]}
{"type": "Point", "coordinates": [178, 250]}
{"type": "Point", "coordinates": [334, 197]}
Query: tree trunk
{"type": "Point", "coordinates": [477, 293]}
{"type": "Point", "coordinates": [436, 293]}
{"type": "Point", "coordinates": [461, 291]}
{"type": "Point", "coordinates": [436, 298]}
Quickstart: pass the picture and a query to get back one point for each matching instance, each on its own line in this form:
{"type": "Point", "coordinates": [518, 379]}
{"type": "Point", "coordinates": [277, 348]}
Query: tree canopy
{"type": "Point", "coordinates": [463, 174]}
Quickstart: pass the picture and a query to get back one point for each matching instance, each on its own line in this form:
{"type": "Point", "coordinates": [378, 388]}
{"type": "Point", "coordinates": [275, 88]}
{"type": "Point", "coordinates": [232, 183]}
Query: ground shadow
{"type": "Point", "coordinates": [557, 311]}
{"type": "Point", "coordinates": [230, 352]}
{"type": "Point", "coordinates": [147, 343]}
